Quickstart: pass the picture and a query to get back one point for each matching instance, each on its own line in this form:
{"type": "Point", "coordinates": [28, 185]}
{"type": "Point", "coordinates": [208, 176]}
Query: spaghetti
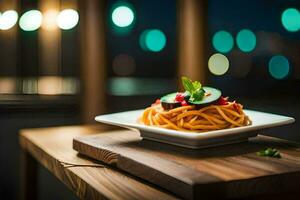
{"type": "Point", "coordinates": [188, 118]}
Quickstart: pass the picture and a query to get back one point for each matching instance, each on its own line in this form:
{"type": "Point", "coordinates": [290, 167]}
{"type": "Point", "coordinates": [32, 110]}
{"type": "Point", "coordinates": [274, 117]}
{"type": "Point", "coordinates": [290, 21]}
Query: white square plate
{"type": "Point", "coordinates": [260, 121]}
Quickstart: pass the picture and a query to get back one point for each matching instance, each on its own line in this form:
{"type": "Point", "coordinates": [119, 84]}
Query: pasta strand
{"type": "Point", "coordinates": [187, 118]}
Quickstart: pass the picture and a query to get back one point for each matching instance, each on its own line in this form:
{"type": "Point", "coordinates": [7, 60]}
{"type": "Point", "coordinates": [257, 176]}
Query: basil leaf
{"type": "Point", "coordinates": [198, 95]}
{"type": "Point", "coordinates": [187, 84]}
{"type": "Point", "coordinates": [194, 88]}
{"type": "Point", "coordinates": [197, 85]}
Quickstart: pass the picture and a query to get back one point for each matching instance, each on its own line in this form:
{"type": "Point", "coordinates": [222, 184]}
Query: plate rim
{"type": "Point", "coordinates": [195, 135]}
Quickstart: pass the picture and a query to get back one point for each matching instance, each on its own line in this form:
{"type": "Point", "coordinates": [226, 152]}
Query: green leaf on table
{"type": "Point", "coordinates": [269, 152]}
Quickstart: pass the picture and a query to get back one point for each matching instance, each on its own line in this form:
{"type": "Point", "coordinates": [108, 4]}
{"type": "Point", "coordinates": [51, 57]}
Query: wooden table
{"type": "Point", "coordinates": [89, 179]}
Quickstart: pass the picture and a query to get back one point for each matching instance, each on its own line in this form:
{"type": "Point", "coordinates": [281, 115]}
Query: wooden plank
{"type": "Point", "coordinates": [52, 147]}
{"type": "Point", "coordinates": [231, 171]}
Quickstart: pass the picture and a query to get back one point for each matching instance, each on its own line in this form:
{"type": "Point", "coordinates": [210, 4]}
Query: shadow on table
{"type": "Point", "coordinates": [253, 145]}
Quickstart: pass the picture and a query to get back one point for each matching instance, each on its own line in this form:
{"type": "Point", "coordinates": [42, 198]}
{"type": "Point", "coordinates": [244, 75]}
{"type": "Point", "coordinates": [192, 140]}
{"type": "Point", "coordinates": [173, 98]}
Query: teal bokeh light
{"type": "Point", "coordinates": [153, 40]}
{"type": "Point", "coordinates": [122, 18]}
{"type": "Point", "coordinates": [279, 67]}
{"type": "Point", "coordinates": [246, 40]}
{"type": "Point", "coordinates": [290, 19]}
{"type": "Point", "coordinates": [222, 41]}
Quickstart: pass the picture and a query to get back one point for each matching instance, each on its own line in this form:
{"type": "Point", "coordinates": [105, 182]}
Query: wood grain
{"type": "Point", "coordinates": [231, 171]}
{"type": "Point", "coordinates": [89, 179]}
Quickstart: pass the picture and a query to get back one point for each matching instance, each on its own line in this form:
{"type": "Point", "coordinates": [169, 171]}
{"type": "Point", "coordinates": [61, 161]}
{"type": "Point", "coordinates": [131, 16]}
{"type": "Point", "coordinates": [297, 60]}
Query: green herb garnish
{"type": "Point", "coordinates": [269, 152]}
{"type": "Point", "coordinates": [194, 88]}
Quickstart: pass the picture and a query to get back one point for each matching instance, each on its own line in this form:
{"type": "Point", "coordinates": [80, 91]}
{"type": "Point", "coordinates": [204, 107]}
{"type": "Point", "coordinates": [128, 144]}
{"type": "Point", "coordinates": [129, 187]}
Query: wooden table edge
{"type": "Point", "coordinates": [30, 150]}
{"type": "Point", "coordinates": [58, 169]}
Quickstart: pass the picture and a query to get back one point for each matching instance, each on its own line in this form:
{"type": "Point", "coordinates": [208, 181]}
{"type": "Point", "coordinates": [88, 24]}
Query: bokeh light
{"type": "Point", "coordinates": [123, 86]}
{"type": "Point", "coordinates": [129, 86]}
{"type": "Point", "coordinates": [290, 19]}
{"type": "Point", "coordinates": [246, 40]}
{"type": "Point", "coordinates": [67, 19]}
{"type": "Point", "coordinates": [123, 65]}
{"type": "Point", "coordinates": [29, 85]}
{"type": "Point", "coordinates": [279, 67]}
{"type": "Point", "coordinates": [153, 40]}
{"type": "Point", "coordinates": [122, 16]}
{"type": "Point", "coordinates": [223, 41]}
{"type": "Point", "coordinates": [49, 20]}
{"type": "Point", "coordinates": [8, 85]}
{"type": "Point", "coordinates": [8, 19]}
{"type": "Point", "coordinates": [70, 85]}
{"type": "Point", "coordinates": [218, 64]}
{"type": "Point", "coordinates": [31, 20]}
{"type": "Point", "coordinates": [53, 85]}
{"type": "Point", "coordinates": [49, 85]}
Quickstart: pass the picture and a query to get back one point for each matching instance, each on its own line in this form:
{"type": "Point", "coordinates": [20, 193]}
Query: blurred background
{"type": "Point", "coordinates": [62, 62]}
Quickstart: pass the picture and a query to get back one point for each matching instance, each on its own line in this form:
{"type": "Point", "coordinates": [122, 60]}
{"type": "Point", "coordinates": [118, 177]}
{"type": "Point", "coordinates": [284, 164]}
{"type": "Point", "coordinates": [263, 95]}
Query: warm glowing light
{"type": "Point", "coordinates": [54, 85]}
{"type": "Point", "coordinates": [67, 19]}
{"type": "Point", "coordinates": [246, 40]}
{"type": "Point", "coordinates": [8, 19]}
{"type": "Point", "coordinates": [223, 41]}
{"type": "Point", "coordinates": [50, 85]}
{"type": "Point", "coordinates": [153, 40]}
{"type": "Point", "coordinates": [31, 20]}
{"type": "Point", "coordinates": [8, 85]}
{"type": "Point", "coordinates": [122, 16]}
{"type": "Point", "coordinates": [49, 20]}
{"type": "Point", "coordinates": [279, 67]}
{"type": "Point", "coordinates": [218, 64]}
{"type": "Point", "coordinates": [290, 19]}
